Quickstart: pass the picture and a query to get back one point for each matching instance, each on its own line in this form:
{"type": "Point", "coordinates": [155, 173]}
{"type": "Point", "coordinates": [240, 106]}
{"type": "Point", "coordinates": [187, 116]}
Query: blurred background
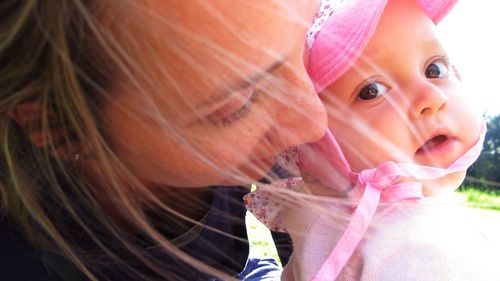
{"type": "Point", "coordinates": [470, 35]}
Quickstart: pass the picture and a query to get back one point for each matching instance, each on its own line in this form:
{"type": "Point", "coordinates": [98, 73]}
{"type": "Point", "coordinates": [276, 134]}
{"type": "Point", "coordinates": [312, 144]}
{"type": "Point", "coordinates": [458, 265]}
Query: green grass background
{"type": "Point", "coordinates": [480, 198]}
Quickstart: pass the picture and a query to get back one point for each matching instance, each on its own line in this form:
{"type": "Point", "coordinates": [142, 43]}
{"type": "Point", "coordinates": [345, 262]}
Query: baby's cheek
{"type": "Point", "coordinates": [439, 186]}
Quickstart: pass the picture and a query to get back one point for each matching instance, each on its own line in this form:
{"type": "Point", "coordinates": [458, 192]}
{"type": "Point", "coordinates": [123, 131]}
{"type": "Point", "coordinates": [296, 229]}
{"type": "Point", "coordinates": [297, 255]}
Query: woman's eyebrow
{"type": "Point", "coordinates": [228, 90]}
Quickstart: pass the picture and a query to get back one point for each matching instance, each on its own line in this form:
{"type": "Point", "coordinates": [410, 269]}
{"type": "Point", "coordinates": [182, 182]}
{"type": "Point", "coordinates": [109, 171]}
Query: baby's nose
{"type": "Point", "coordinates": [428, 99]}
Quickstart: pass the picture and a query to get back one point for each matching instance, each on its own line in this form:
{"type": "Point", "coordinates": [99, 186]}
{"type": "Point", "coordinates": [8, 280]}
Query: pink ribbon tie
{"type": "Point", "coordinates": [372, 186]}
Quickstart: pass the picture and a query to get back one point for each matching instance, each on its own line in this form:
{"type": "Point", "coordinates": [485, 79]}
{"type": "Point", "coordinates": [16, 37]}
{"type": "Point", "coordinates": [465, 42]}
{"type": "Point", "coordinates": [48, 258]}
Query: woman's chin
{"type": "Point", "coordinates": [250, 172]}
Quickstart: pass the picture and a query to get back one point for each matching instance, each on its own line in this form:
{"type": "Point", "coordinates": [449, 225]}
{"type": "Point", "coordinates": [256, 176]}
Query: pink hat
{"type": "Point", "coordinates": [342, 29]}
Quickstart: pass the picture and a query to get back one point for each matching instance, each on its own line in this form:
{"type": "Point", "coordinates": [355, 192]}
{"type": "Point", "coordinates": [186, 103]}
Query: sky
{"type": "Point", "coordinates": [468, 34]}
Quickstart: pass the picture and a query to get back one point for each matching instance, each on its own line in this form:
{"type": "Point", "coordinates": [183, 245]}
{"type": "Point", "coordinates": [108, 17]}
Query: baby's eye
{"type": "Point", "coordinates": [372, 91]}
{"type": "Point", "coordinates": [437, 69]}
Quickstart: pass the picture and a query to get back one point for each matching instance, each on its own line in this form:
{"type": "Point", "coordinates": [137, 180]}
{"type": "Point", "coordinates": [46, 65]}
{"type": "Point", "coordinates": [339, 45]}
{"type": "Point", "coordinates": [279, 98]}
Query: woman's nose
{"type": "Point", "coordinates": [299, 119]}
{"type": "Point", "coordinates": [427, 99]}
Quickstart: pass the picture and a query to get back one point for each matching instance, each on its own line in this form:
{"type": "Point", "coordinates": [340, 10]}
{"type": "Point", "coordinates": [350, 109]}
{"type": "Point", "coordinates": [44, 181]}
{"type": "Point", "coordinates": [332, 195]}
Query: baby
{"type": "Point", "coordinates": [400, 133]}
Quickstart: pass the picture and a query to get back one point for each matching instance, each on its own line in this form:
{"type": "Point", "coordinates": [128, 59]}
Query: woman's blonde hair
{"type": "Point", "coordinates": [57, 61]}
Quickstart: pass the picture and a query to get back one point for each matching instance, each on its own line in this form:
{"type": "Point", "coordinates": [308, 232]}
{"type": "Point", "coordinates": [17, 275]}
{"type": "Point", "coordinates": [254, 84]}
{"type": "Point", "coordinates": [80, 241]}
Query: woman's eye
{"type": "Point", "coordinates": [240, 113]}
{"type": "Point", "coordinates": [372, 91]}
{"type": "Point", "coordinates": [234, 110]}
{"type": "Point", "coordinates": [437, 69]}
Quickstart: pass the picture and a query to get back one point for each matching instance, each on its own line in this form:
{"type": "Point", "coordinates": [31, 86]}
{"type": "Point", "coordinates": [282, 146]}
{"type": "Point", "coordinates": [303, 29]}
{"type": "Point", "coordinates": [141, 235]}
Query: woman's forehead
{"type": "Point", "coordinates": [208, 47]}
{"type": "Point", "coordinates": [194, 52]}
{"type": "Point", "coordinates": [225, 23]}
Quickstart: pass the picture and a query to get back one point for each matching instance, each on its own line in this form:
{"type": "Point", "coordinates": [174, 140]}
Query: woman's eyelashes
{"type": "Point", "coordinates": [236, 108]}
{"type": "Point", "coordinates": [438, 68]}
{"type": "Point", "coordinates": [372, 90]}
{"type": "Point", "coordinates": [239, 113]}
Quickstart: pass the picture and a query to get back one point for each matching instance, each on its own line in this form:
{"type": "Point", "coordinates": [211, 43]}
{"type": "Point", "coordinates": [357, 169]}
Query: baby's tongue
{"type": "Point", "coordinates": [433, 143]}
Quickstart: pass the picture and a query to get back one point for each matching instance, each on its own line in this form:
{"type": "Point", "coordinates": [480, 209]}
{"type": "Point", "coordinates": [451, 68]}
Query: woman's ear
{"type": "Point", "coordinates": [43, 129]}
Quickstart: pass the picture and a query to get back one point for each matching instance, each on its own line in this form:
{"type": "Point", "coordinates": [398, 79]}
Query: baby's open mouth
{"type": "Point", "coordinates": [433, 144]}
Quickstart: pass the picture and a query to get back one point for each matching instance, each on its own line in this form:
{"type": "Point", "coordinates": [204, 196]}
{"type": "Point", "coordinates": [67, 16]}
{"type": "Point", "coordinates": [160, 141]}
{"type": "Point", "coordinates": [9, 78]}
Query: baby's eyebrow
{"type": "Point", "coordinates": [432, 44]}
{"type": "Point", "coordinates": [368, 59]}
{"type": "Point", "coordinates": [224, 93]}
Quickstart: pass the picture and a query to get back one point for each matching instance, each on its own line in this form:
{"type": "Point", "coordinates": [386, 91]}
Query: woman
{"type": "Point", "coordinates": [118, 118]}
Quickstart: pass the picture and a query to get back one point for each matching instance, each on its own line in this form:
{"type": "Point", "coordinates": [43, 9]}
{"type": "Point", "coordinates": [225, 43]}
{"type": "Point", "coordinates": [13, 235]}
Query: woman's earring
{"type": "Point", "coordinates": [77, 157]}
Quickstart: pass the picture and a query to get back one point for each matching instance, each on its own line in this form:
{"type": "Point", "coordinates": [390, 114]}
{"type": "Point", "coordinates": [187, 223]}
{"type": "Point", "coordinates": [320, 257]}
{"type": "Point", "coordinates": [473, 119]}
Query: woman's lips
{"type": "Point", "coordinates": [437, 145]}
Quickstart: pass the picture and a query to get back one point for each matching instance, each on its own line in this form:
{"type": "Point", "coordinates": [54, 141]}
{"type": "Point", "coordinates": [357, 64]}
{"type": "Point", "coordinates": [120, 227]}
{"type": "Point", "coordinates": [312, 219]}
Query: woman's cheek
{"type": "Point", "coordinates": [230, 146]}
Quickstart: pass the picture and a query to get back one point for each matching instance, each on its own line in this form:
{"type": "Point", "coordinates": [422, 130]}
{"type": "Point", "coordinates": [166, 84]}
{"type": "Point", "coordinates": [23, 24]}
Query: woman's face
{"type": "Point", "coordinates": [221, 91]}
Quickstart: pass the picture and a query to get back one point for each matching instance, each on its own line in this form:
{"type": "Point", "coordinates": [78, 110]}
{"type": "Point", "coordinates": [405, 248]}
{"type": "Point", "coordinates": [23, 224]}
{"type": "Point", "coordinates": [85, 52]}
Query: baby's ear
{"type": "Point", "coordinates": [43, 129]}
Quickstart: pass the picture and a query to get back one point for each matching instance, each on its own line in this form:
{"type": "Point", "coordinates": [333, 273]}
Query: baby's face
{"type": "Point", "coordinates": [401, 100]}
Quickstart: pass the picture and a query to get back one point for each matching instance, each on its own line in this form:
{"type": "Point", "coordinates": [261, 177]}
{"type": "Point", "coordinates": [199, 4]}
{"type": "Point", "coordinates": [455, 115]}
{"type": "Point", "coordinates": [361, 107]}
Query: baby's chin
{"type": "Point", "coordinates": [443, 185]}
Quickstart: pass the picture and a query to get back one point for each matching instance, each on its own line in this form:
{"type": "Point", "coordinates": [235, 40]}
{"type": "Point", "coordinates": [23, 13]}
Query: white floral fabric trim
{"type": "Point", "coordinates": [325, 11]}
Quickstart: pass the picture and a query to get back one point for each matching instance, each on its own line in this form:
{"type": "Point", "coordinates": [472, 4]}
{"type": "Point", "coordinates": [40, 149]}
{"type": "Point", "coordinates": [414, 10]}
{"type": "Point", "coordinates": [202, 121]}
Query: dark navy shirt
{"type": "Point", "coordinates": [21, 261]}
